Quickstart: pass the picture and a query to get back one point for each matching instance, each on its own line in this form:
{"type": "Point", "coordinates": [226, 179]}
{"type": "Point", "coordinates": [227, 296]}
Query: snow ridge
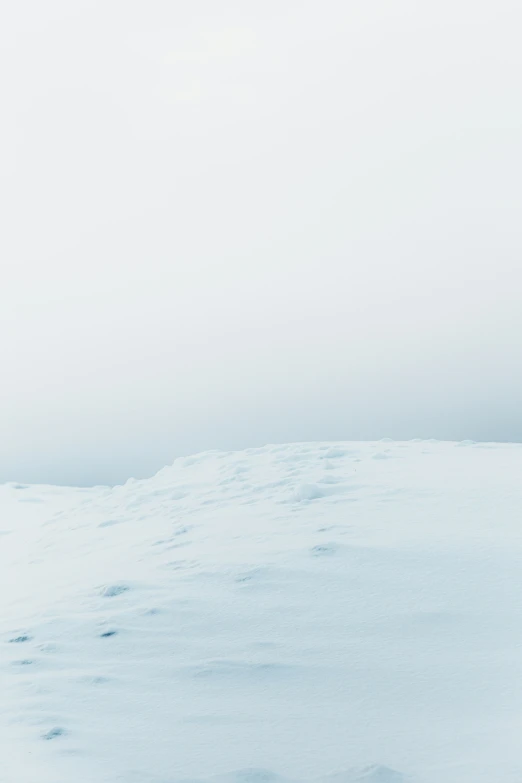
{"type": "Point", "coordinates": [299, 608]}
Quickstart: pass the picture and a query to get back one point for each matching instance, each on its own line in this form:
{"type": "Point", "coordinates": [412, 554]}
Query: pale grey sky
{"type": "Point", "coordinates": [231, 223]}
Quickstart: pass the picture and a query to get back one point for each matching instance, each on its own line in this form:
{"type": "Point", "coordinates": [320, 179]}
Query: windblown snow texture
{"type": "Point", "coordinates": [338, 612]}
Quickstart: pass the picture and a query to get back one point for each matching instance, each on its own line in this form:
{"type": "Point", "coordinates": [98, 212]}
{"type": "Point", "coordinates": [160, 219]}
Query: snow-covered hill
{"type": "Point", "coordinates": [293, 611]}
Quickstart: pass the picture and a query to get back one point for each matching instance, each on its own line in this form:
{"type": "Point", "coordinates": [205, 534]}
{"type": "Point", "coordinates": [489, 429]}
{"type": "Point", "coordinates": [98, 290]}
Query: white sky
{"type": "Point", "coordinates": [231, 223]}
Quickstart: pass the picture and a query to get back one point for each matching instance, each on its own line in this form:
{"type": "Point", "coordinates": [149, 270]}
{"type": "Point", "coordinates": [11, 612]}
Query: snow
{"type": "Point", "coordinates": [336, 612]}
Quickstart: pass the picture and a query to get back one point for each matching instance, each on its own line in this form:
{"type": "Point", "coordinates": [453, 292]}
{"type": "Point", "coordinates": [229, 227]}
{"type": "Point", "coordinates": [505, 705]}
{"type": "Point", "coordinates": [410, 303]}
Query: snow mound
{"type": "Point", "coordinates": [284, 611]}
{"type": "Point", "coordinates": [371, 774]}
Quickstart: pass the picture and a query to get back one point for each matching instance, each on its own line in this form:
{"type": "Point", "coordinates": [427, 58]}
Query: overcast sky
{"type": "Point", "coordinates": [232, 223]}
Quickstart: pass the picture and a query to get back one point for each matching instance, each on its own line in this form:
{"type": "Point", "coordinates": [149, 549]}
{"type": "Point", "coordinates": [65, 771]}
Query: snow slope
{"type": "Point", "coordinates": [286, 612]}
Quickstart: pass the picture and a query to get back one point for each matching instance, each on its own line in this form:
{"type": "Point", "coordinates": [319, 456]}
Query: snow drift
{"type": "Point", "coordinates": [345, 613]}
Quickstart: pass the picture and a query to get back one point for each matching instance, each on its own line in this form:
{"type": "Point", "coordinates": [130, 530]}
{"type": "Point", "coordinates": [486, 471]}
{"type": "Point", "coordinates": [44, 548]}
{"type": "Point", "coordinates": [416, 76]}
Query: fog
{"type": "Point", "coordinates": [233, 223]}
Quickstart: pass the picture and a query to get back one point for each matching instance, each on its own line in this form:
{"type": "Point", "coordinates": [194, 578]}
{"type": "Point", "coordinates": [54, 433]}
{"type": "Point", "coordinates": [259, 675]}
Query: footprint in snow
{"type": "Point", "coordinates": [94, 679]}
{"type": "Point", "coordinates": [324, 550]}
{"type": "Point", "coordinates": [107, 634]}
{"type": "Point", "coordinates": [54, 733]}
{"type": "Point", "coordinates": [111, 591]}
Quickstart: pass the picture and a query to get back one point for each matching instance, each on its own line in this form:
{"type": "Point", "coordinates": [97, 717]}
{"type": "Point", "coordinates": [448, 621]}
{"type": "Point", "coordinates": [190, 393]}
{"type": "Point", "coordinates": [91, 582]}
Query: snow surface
{"type": "Point", "coordinates": [286, 612]}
